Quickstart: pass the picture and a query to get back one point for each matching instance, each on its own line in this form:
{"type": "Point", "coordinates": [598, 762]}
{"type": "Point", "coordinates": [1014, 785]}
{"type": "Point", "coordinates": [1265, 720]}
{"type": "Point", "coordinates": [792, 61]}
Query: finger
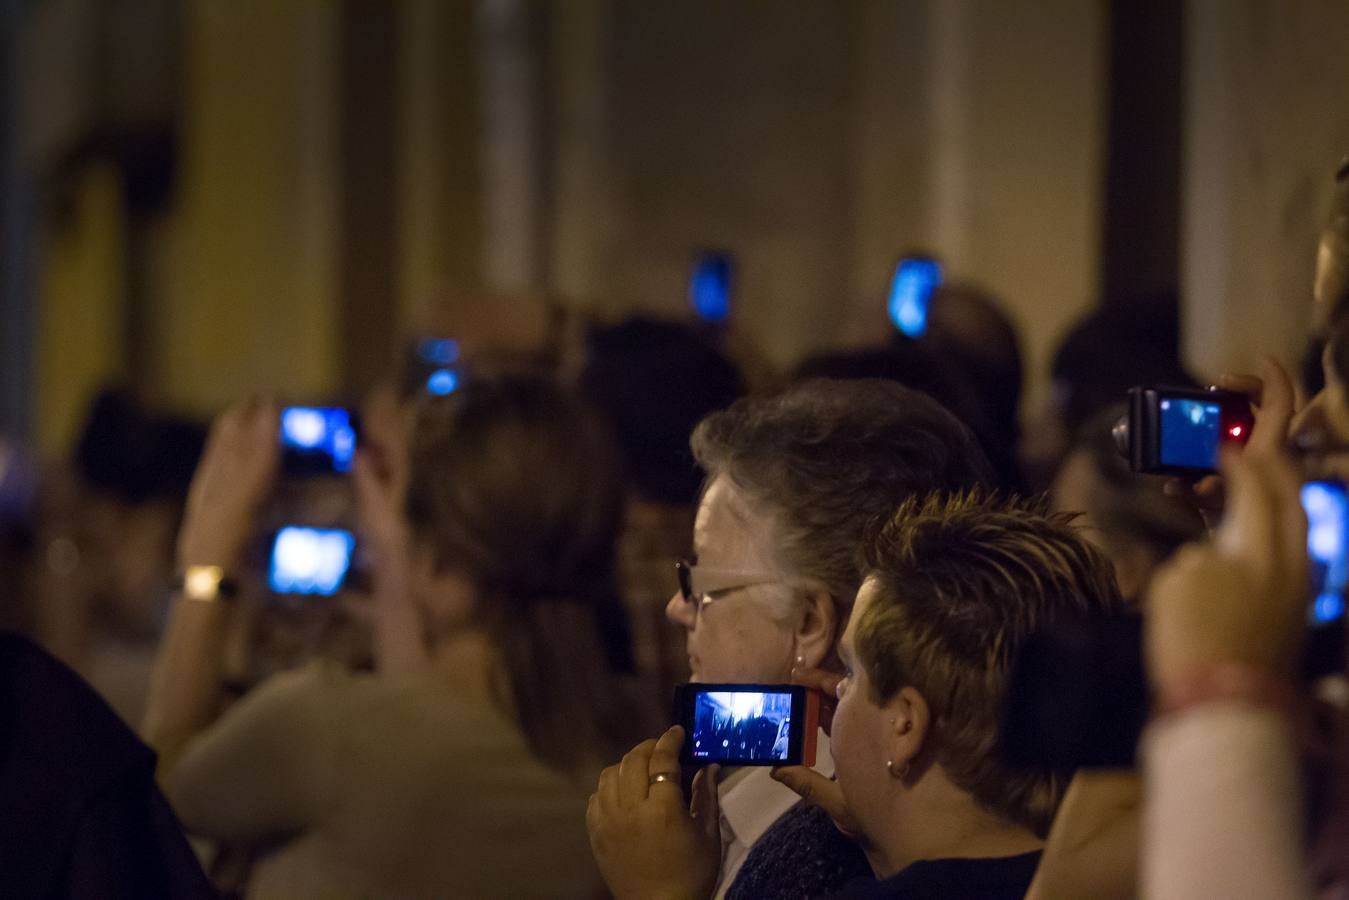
{"type": "Point", "coordinates": [1277, 405]}
{"type": "Point", "coordinates": [814, 788]}
{"type": "Point", "coordinates": [821, 680]}
{"type": "Point", "coordinates": [706, 804]}
{"type": "Point", "coordinates": [664, 759]}
{"type": "Point", "coordinates": [1248, 530]}
{"type": "Point", "coordinates": [607, 792]}
{"type": "Point", "coordinates": [1250, 385]}
{"type": "Point", "coordinates": [633, 774]}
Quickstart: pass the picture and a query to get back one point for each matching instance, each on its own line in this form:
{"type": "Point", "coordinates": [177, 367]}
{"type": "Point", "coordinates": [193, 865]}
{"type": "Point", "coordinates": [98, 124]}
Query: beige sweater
{"type": "Point", "coordinates": [384, 788]}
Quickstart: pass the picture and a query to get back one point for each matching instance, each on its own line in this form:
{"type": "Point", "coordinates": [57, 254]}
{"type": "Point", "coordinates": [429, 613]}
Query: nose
{"type": "Point", "coordinates": [679, 612]}
{"type": "Point", "coordinates": [1307, 430]}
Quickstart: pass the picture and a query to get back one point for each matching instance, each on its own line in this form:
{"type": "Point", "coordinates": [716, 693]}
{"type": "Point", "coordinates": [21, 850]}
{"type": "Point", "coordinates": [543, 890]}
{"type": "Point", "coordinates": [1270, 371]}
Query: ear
{"type": "Point", "coordinates": [817, 628]}
{"type": "Point", "coordinates": [910, 726]}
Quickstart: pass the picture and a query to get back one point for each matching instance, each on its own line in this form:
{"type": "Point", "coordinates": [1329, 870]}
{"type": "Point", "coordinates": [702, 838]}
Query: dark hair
{"type": "Point", "coordinates": [134, 455]}
{"type": "Point", "coordinates": [1122, 344]}
{"type": "Point", "coordinates": [829, 457]}
{"type": "Point", "coordinates": [961, 581]}
{"type": "Point", "coordinates": [513, 482]}
{"type": "Point", "coordinates": [654, 381]}
{"type": "Point", "coordinates": [1125, 504]}
{"type": "Point", "coordinates": [945, 376]}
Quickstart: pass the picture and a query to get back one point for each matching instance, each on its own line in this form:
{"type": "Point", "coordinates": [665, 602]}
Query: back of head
{"type": "Point", "coordinates": [961, 582]}
{"type": "Point", "coordinates": [654, 381]}
{"type": "Point", "coordinates": [513, 484]}
{"type": "Point", "coordinates": [1114, 348]}
{"type": "Point", "coordinates": [827, 458]}
{"type": "Point", "coordinates": [946, 377]}
{"type": "Point", "coordinates": [1129, 509]}
{"type": "Point", "coordinates": [968, 325]}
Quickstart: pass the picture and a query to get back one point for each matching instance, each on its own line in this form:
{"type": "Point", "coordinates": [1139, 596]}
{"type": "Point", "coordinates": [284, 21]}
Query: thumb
{"type": "Point", "coordinates": [706, 805]}
{"type": "Point", "coordinates": [816, 790]}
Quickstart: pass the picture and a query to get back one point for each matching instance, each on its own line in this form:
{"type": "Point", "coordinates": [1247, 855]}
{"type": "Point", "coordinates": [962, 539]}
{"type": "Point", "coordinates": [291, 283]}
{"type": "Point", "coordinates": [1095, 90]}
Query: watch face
{"type": "Point", "coordinates": [202, 582]}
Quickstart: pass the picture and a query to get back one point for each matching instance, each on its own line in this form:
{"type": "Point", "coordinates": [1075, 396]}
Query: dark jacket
{"type": "Point", "coordinates": [80, 814]}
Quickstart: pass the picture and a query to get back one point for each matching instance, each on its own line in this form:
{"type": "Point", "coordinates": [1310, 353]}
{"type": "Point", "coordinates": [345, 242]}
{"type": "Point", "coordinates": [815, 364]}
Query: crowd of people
{"type": "Point", "coordinates": [551, 539]}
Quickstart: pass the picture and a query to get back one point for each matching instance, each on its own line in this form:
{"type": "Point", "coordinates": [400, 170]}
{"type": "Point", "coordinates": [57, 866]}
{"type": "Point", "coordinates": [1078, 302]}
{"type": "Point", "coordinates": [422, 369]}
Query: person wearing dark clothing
{"type": "Point", "coordinates": [80, 814]}
{"type": "Point", "coordinates": [802, 855]}
{"type": "Point", "coordinates": [995, 878]}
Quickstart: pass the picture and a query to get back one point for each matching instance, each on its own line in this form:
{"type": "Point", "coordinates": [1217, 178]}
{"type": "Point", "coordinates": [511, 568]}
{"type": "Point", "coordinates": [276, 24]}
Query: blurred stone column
{"type": "Point", "coordinates": [439, 208]}
{"type": "Point", "coordinates": [511, 155]}
{"type": "Point", "coordinates": [581, 216]}
{"type": "Point", "coordinates": [1266, 121]}
{"type": "Point", "coordinates": [18, 309]}
{"type": "Point", "coordinates": [1016, 158]}
{"type": "Point", "coordinates": [258, 206]}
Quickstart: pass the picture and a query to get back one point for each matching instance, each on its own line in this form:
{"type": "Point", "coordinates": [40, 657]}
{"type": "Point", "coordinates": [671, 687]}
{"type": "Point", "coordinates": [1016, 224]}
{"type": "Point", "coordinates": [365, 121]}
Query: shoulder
{"type": "Point", "coordinates": [803, 855]}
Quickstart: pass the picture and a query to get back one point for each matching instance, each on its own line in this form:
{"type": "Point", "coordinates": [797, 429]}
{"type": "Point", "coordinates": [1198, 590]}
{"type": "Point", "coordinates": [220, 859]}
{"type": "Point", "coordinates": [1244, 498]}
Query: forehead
{"type": "Point", "coordinates": [729, 531]}
{"type": "Point", "coordinates": [866, 595]}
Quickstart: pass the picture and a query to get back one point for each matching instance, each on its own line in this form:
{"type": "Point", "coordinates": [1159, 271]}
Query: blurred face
{"type": "Point", "coordinates": [1323, 424]}
{"type": "Point", "coordinates": [733, 634]}
{"type": "Point", "coordinates": [862, 739]}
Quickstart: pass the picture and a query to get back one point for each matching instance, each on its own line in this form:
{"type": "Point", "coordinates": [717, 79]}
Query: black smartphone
{"type": "Point", "coordinates": [747, 724]}
{"type": "Point", "coordinates": [915, 280]}
{"type": "Point", "coordinates": [309, 561]}
{"type": "Point", "coordinates": [318, 440]}
{"type": "Point", "coordinates": [710, 286]}
{"type": "Point", "coordinates": [1172, 430]}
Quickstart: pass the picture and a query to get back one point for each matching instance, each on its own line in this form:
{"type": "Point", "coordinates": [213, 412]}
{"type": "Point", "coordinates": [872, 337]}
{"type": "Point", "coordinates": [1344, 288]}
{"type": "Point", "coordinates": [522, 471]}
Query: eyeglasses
{"type": "Point", "coordinates": [698, 583]}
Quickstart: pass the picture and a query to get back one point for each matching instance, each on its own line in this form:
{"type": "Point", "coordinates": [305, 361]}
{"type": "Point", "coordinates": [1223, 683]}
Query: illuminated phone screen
{"type": "Point", "coordinates": [911, 289]}
{"type": "Point", "coordinates": [318, 438]}
{"type": "Point", "coordinates": [310, 561]}
{"type": "Point", "coordinates": [1327, 506]}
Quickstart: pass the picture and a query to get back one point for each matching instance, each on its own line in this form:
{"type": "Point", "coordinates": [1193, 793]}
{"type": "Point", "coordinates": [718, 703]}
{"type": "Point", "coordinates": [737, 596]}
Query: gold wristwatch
{"type": "Point", "coordinates": [206, 584]}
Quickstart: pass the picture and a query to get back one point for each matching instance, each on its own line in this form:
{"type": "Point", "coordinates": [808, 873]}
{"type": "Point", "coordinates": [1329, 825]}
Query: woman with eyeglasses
{"type": "Point", "coordinates": [793, 482]}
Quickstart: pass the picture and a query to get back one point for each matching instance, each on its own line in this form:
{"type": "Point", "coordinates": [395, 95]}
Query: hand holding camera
{"type": "Point", "coordinates": [1240, 600]}
{"type": "Point", "coordinates": [234, 478]}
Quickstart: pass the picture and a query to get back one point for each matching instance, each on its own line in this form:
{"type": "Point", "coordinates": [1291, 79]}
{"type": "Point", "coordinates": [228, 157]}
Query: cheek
{"type": "Point", "coordinates": [740, 644]}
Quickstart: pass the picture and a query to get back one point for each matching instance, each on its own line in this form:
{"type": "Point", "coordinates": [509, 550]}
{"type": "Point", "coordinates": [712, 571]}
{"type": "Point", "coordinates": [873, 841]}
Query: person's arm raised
{"type": "Point", "coordinates": [1224, 624]}
{"type": "Point", "coordinates": [237, 471]}
{"type": "Point", "coordinates": [380, 477]}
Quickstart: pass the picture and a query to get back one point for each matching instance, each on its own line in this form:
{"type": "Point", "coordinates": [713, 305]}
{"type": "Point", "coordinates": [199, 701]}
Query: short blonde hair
{"type": "Point", "coordinates": [961, 581]}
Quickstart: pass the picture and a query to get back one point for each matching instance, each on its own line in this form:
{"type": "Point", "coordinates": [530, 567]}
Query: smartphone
{"type": "Point", "coordinates": [748, 724]}
{"type": "Point", "coordinates": [318, 440]}
{"type": "Point", "coordinates": [431, 366]}
{"type": "Point", "coordinates": [710, 286]}
{"type": "Point", "coordinates": [1180, 430]}
{"type": "Point", "coordinates": [915, 280]}
{"type": "Point", "coordinates": [1326, 504]}
{"type": "Point", "coordinates": [310, 561]}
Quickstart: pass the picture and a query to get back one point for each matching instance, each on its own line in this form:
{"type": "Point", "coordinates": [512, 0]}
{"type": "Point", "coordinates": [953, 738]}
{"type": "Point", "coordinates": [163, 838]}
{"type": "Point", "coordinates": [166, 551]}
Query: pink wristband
{"type": "Point", "coordinates": [1233, 682]}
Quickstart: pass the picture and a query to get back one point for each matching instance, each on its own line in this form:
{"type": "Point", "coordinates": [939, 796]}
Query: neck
{"type": "Point", "coordinates": [937, 820]}
{"type": "Point", "coordinates": [466, 658]}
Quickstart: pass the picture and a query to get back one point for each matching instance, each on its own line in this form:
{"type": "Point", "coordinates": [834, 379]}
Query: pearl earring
{"type": "Point", "coordinates": [902, 773]}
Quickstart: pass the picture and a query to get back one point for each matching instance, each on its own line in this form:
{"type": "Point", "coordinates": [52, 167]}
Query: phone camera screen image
{"type": "Point", "coordinates": [1190, 432]}
{"type": "Point", "coordinates": [741, 725]}
{"type": "Point", "coordinates": [911, 294]}
{"type": "Point", "coordinates": [710, 288]}
{"type": "Point", "coordinates": [310, 561]}
{"type": "Point", "coordinates": [318, 439]}
{"type": "Point", "coordinates": [1327, 508]}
